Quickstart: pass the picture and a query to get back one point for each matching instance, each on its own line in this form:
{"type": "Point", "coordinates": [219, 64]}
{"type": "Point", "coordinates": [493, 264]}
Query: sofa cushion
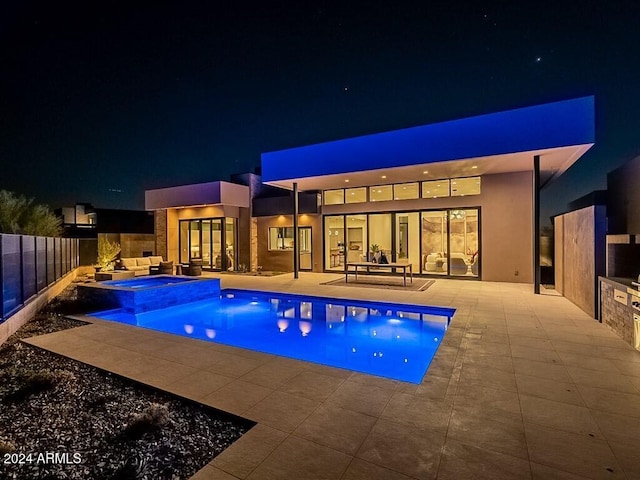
{"type": "Point", "coordinates": [143, 261]}
{"type": "Point", "coordinates": [155, 260]}
{"type": "Point", "coordinates": [128, 262]}
{"type": "Point", "coordinates": [139, 268]}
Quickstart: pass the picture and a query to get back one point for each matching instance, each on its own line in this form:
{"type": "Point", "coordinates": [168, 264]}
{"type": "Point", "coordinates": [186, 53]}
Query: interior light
{"type": "Point", "coordinates": [346, 181]}
{"type": "Point", "coordinates": [425, 172]}
{"type": "Point", "coordinates": [384, 176]}
{"type": "Point", "coordinates": [475, 166]}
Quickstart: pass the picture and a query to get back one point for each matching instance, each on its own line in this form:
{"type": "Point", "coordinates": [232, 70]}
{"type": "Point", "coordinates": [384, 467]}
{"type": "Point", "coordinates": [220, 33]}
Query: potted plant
{"type": "Point", "coordinates": [373, 250]}
{"type": "Point", "coordinates": [107, 252]}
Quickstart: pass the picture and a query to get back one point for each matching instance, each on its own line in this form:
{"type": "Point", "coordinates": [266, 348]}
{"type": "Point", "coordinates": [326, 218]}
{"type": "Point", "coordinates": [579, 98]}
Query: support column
{"type": "Point", "coordinates": [296, 245]}
{"type": "Point", "coordinates": [536, 224]}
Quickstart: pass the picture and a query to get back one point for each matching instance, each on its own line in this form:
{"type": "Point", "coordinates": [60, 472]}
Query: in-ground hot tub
{"type": "Point", "coordinates": [142, 294]}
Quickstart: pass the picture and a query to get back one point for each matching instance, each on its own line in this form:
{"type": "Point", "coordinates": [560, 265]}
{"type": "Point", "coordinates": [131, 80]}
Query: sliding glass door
{"type": "Point", "coordinates": [439, 242]}
{"type": "Point", "coordinates": [450, 242]}
{"type": "Point", "coordinates": [206, 240]}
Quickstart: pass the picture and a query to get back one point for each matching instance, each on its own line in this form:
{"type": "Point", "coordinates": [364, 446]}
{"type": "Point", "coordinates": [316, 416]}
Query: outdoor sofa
{"type": "Point", "coordinates": [139, 265]}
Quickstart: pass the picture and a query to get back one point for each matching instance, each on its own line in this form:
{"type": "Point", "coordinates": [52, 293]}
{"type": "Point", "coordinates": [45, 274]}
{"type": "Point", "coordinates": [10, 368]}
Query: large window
{"type": "Point", "coordinates": [405, 191]}
{"type": "Point", "coordinates": [355, 195]}
{"type": "Point", "coordinates": [334, 197]}
{"type": "Point", "coordinates": [381, 193]}
{"type": "Point", "coordinates": [281, 238]}
{"type": "Point", "coordinates": [435, 188]}
{"type": "Point", "coordinates": [465, 186]}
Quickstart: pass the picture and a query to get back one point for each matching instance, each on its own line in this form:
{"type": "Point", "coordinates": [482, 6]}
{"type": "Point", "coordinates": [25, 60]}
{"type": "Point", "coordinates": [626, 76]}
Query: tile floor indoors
{"type": "Point", "coordinates": [523, 387]}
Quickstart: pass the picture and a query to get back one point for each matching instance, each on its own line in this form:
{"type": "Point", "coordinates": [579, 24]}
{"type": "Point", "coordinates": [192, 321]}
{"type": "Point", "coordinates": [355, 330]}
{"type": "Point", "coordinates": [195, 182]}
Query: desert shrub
{"type": "Point", "coordinates": [6, 447]}
{"type": "Point", "coordinates": [154, 417]}
{"type": "Point", "coordinates": [43, 380]}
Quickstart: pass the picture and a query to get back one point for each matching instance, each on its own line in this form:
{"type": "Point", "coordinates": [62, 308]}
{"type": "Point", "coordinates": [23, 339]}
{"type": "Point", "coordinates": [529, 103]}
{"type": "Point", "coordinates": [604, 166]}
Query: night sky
{"type": "Point", "coordinates": [100, 102]}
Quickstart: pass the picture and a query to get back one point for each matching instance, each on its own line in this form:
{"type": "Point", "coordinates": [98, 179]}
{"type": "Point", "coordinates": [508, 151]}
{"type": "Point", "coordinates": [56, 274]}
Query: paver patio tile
{"type": "Point", "coordinates": [314, 386]}
{"type": "Point", "coordinates": [499, 433]}
{"type": "Point", "coordinates": [461, 461]}
{"type": "Point", "coordinates": [297, 458]}
{"type": "Point", "coordinates": [550, 371]}
{"type": "Point", "coordinates": [537, 354]}
{"type": "Point", "coordinates": [550, 389]}
{"type": "Point", "coordinates": [562, 416]}
{"type": "Point", "coordinates": [244, 455]}
{"type": "Point", "coordinates": [608, 380]}
{"type": "Point", "coordinates": [573, 453]}
{"type": "Point", "coordinates": [488, 377]}
{"type": "Point", "coordinates": [361, 470]}
{"type": "Point", "coordinates": [212, 473]}
{"type": "Point", "coordinates": [610, 401]}
{"type": "Point", "coordinates": [199, 384]}
{"type": "Point", "coordinates": [337, 428]}
{"type": "Point", "coordinates": [418, 412]}
{"type": "Point", "coordinates": [544, 472]}
{"type": "Point", "coordinates": [236, 397]}
{"type": "Point", "coordinates": [408, 450]}
{"type": "Point", "coordinates": [281, 410]}
{"type": "Point", "coordinates": [360, 398]}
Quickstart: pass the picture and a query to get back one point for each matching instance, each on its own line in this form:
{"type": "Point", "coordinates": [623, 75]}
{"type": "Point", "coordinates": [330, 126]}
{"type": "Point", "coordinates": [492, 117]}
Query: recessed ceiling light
{"type": "Point", "coordinates": [346, 181]}
{"type": "Point", "coordinates": [425, 172]}
{"type": "Point", "coordinates": [475, 166]}
{"type": "Point", "coordinates": [384, 176]}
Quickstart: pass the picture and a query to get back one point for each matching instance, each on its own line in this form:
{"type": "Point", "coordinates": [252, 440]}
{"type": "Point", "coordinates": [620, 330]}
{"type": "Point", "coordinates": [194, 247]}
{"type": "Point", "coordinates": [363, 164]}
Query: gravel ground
{"type": "Point", "coordinates": [99, 425]}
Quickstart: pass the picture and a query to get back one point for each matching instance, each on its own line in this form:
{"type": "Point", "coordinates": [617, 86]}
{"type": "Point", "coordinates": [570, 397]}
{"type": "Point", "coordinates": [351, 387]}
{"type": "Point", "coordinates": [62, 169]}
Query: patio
{"type": "Point", "coordinates": [523, 386]}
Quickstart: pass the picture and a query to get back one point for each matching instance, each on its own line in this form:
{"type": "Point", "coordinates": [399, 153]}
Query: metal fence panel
{"type": "Point", "coordinates": [11, 274]}
{"type": "Point", "coordinates": [51, 261]}
{"type": "Point", "coordinates": [41, 263]}
{"type": "Point", "coordinates": [29, 288]}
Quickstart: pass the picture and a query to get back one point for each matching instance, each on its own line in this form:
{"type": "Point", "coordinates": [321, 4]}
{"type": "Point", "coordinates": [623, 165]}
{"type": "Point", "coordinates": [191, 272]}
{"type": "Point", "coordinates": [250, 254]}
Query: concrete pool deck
{"type": "Point", "coordinates": [523, 386]}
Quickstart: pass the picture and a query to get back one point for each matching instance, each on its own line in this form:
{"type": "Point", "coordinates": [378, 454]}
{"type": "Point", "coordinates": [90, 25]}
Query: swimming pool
{"type": "Point", "coordinates": [390, 340]}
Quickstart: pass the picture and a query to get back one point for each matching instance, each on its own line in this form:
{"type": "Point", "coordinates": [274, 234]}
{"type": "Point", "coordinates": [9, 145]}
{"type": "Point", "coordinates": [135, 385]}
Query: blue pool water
{"type": "Point", "coordinates": [390, 340]}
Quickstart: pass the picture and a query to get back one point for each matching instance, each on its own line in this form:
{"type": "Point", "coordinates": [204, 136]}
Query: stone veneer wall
{"type": "Point", "coordinates": [615, 315]}
{"type": "Point", "coordinates": [160, 228]}
{"type": "Point", "coordinates": [254, 244]}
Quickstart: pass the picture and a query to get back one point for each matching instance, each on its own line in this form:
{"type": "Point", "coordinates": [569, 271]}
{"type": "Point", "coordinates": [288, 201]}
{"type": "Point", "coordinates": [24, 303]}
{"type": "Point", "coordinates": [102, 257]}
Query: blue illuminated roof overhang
{"type": "Point", "coordinates": [560, 132]}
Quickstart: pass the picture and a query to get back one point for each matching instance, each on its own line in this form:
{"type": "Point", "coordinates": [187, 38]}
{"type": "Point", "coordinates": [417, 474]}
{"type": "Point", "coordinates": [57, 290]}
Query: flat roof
{"type": "Point", "coordinates": [560, 132]}
{"type": "Point", "coordinates": [199, 194]}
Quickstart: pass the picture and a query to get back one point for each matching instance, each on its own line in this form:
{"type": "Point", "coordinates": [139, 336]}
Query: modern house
{"type": "Point", "coordinates": [456, 199]}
